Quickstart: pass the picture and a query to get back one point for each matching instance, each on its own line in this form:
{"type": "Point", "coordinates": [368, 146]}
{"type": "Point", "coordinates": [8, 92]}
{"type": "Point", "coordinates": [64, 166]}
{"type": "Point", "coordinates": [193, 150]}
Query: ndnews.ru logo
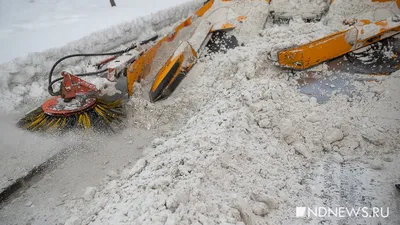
{"type": "Point", "coordinates": [342, 212]}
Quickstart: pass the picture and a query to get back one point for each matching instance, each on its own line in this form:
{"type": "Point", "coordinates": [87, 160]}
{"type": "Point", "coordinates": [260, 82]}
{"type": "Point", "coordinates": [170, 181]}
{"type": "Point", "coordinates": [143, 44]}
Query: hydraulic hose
{"type": "Point", "coordinates": [117, 53]}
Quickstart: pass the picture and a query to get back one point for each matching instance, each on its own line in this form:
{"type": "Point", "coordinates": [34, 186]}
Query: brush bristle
{"type": "Point", "coordinates": [103, 116]}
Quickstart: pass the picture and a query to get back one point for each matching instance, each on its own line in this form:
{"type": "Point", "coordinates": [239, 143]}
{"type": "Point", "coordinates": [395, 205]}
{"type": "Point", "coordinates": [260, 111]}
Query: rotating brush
{"type": "Point", "coordinates": [77, 107]}
{"type": "Point", "coordinates": [101, 116]}
{"type": "Point", "coordinates": [78, 104]}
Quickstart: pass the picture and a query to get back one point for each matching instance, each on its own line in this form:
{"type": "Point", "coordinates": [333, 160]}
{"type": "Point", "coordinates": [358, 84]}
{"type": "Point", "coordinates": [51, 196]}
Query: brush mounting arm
{"type": "Point", "coordinates": [73, 85]}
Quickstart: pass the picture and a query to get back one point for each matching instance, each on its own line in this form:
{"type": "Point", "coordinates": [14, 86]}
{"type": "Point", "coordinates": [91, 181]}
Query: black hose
{"type": "Point", "coordinates": [50, 87]}
{"type": "Point", "coordinates": [117, 53]}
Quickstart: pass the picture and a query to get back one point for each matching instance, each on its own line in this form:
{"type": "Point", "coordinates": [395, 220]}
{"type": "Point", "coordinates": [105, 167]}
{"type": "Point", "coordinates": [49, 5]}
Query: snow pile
{"type": "Point", "coordinates": [249, 147]}
{"type": "Point", "coordinates": [249, 150]}
{"type": "Point", "coordinates": [341, 10]}
{"type": "Point", "coordinates": [24, 80]}
{"type": "Point", "coordinates": [242, 158]}
{"type": "Point", "coordinates": [297, 32]}
{"type": "Point", "coordinates": [305, 9]}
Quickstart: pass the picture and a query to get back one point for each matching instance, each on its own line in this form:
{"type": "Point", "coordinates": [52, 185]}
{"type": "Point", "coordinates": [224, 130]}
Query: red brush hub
{"type": "Point", "coordinates": [76, 95]}
{"type": "Point", "coordinates": [73, 85]}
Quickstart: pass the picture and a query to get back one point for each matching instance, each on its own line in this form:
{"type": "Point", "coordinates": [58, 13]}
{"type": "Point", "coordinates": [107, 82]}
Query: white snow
{"type": "Point", "coordinates": [217, 166]}
{"type": "Point", "coordinates": [358, 9]}
{"type": "Point", "coordinates": [28, 26]}
{"type": "Point", "coordinates": [333, 135]}
{"type": "Point", "coordinates": [239, 144]}
{"type": "Point", "coordinates": [105, 86]}
{"type": "Point", "coordinates": [89, 193]}
{"type": "Point", "coordinates": [22, 151]}
{"type": "Point", "coordinates": [299, 8]}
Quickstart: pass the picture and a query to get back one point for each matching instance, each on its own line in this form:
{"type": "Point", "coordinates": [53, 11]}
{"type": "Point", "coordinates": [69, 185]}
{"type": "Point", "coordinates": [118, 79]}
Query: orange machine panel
{"type": "Point", "coordinates": [337, 44]}
{"type": "Point", "coordinates": [142, 66]}
{"type": "Point", "coordinates": [315, 52]}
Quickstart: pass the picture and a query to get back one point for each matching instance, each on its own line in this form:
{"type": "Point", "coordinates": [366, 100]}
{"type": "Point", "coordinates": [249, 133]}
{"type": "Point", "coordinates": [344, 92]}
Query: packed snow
{"type": "Point", "coordinates": [238, 143]}
{"type": "Point", "coordinates": [305, 9]}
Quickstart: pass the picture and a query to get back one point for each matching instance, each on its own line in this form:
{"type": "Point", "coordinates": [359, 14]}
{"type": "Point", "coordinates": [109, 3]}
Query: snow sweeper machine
{"type": "Point", "coordinates": [78, 104]}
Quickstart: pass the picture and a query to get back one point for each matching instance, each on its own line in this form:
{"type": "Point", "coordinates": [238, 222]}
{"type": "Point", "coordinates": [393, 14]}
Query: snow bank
{"type": "Point", "coordinates": [37, 25]}
{"type": "Point", "coordinates": [24, 80]}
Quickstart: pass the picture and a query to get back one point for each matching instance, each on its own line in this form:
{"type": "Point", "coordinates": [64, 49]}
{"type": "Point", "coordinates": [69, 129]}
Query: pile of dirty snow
{"type": "Point", "coordinates": [254, 148]}
{"type": "Point", "coordinates": [249, 155]}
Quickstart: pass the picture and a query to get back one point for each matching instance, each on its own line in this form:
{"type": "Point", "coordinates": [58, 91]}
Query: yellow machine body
{"type": "Point", "coordinates": [142, 66]}
{"type": "Point", "coordinates": [363, 33]}
{"type": "Point", "coordinates": [208, 19]}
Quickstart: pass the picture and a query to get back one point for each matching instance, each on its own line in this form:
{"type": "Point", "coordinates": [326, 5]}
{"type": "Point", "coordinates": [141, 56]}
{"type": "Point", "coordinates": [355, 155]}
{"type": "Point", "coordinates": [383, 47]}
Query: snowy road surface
{"type": "Point", "coordinates": [237, 143]}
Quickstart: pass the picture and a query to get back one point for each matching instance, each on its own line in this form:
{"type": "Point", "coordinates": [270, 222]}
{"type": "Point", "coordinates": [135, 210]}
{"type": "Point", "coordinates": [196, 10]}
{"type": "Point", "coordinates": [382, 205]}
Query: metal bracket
{"type": "Point", "coordinates": [73, 85]}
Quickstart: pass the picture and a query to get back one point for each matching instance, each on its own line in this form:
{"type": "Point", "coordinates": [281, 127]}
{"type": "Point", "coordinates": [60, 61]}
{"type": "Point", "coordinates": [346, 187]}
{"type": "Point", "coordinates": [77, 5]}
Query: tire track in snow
{"type": "Point", "coordinates": [352, 185]}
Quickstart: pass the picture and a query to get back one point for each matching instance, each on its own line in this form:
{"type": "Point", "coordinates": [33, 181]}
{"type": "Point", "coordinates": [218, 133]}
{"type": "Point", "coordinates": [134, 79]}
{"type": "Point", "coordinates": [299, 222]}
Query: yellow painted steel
{"type": "Point", "coordinates": [142, 66]}
{"type": "Point", "coordinates": [181, 60]}
{"type": "Point", "coordinates": [205, 8]}
{"type": "Point", "coordinates": [166, 68]}
{"type": "Point", "coordinates": [305, 56]}
{"type": "Point", "coordinates": [177, 72]}
{"type": "Point", "coordinates": [224, 27]}
{"type": "Point", "coordinates": [241, 18]}
{"type": "Point", "coordinates": [334, 45]}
